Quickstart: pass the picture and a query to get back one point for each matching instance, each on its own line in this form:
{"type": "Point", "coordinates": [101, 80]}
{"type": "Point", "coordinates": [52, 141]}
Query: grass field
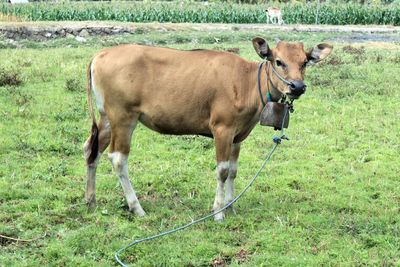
{"type": "Point", "coordinates": [330, 196]}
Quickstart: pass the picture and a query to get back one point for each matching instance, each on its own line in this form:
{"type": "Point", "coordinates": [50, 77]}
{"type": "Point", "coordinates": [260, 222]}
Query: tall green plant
{"type": "Point", "coordinates": [336, 14]}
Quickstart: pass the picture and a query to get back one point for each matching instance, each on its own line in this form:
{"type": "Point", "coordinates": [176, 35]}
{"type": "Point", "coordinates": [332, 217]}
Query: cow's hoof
{"type": "Point", "coordinates": [219, 217]}
{"type": "Point", "coordinates": [91, 203]}
{"type": "Point", "coordinates": [138, 211]}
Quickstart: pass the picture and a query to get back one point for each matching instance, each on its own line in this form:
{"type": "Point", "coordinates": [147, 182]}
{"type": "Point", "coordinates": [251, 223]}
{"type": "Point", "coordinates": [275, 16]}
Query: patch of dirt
{"type": "Point", "coordinates": [367, 38]}
{"type": "Point", "coordinates": [219, 262]}
{"type": "Point", "coordinates": [354, 50]}
{"type": "Point", "coordinates": [382, 45]}
{"type": "Point", "coordinates": [242, 256]}
{"type": "Point", "coordinates": [5, 241]}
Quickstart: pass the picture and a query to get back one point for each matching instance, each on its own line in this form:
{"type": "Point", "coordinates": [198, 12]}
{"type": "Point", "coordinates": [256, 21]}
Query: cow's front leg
{"type": "Point", "coordinates": [233, 165]}
{"type": "Point", "coordinates": [223, 141]}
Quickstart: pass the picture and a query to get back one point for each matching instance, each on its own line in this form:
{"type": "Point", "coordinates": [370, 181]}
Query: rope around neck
{"type": "Point", "coordinates": [259, 83]}
{"type": "Point", "coordinates": [289, 83]}
{"type": "Point", "coordinates": [269, 99]}
{"type": "Point", "coordinates": [277, 140]}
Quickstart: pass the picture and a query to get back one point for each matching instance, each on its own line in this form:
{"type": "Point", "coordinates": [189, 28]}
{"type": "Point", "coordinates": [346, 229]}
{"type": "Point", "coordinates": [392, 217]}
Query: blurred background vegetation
{"type": "Point", "coordinates": [266, 2]}
{"type": "Point", "coordinates": [335, 12]}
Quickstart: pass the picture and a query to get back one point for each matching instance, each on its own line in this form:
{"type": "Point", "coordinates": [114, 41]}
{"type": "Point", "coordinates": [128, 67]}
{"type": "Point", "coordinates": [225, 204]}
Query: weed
{"type": "Point", "coordinates": [345, 74]}
{"type": "Point", "coordinates": [22, 99]}
{"type": "Point", "coordinates": [369, 242]}
{"type": "Point", "coordinates": [241, 256]}
{"type": "Point", "coordinates": [10, 77]}
{"type": "Point", "coordinates": [350, 227]}
{"type": "Point", "coordinates": [73, 85]}
{"type": "Point", "coordinates": [333, 60]}
{"type": "Point", "coordinates": [25, 63]}
{"type": "Point", "coordinates": [375, 195]}
{"type": "Point", "coordinates": [395, 59]}
{"type": "Point", "coordinates": [22, 143]}
{"type": "Point", "coordinates": [354, 50]}
{"type": "Point", "coordinates": [294, 185]}
{"type": "Point", "coordinates": [180, 39]}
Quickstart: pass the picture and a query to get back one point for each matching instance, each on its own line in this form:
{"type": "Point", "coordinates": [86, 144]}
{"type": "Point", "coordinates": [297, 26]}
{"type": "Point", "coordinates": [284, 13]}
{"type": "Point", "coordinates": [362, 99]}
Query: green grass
{"type": "Point", "coordinates": [330, 196]}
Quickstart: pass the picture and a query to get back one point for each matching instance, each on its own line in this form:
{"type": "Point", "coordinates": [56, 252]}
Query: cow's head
{"type": "Point", "coordinates": [290, 61]}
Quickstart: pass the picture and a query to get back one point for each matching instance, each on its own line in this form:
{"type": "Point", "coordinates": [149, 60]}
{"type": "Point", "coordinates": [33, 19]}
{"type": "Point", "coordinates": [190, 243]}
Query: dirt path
{"type": "Point", "coordinates": [49, 30]}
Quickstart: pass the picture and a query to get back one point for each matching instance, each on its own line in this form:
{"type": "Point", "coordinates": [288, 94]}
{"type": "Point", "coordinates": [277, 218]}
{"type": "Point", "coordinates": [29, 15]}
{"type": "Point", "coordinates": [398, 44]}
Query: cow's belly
{"type": "Point", "coordinates": [173, 123]}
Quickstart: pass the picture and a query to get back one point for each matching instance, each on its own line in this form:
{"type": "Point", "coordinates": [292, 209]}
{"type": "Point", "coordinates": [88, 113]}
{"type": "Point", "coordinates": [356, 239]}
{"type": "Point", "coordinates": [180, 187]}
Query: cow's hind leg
{"type": "Point", "coordinates": [223, 142]}
{"type": "Point", "coordinates": [96, 144]}
{"type": "Point", "coordinates": [233, 165]}
{"type": "Point", "coordinates": [122, 130]}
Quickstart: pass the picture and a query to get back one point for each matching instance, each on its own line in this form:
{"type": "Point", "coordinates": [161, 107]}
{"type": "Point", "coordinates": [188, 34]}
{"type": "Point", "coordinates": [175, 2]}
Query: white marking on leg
{"type": "Point", "coordinates": [97, 94]}
{"type": "Point", "coordinates": [120, 164]}
{"type": "Point", "coordinates": [229, 184]}
{"type": "Point", "coordinates": [222, 173]}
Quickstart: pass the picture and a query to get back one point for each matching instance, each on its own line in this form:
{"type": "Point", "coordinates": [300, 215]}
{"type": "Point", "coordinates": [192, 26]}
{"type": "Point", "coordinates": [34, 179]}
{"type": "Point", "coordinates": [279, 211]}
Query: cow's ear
{"type": "Point", "coordinates": [262, 49]}
{"type": "Point", "coordinates": [318, 53]}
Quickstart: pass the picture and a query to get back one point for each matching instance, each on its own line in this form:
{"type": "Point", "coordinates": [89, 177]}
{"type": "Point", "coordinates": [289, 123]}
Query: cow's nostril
{"type": "Point", "coordinates": [297, 87]}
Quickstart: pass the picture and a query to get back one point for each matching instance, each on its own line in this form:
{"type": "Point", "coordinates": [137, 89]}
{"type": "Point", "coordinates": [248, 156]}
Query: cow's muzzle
{"type": "Point", "coordinates": [297, 88]}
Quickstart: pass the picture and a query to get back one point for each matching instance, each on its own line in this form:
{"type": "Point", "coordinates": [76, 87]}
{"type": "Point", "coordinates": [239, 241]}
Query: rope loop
{"type": "Point", "coordinates": [277, 140]}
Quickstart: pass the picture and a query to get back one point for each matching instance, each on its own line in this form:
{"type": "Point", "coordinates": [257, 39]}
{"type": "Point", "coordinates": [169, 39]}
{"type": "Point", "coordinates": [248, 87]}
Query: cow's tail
{"type": "Point", "coordinates": [92, 146]}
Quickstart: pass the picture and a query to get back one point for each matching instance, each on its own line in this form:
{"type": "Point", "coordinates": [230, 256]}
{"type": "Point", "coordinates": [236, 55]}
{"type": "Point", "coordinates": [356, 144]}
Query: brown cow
{"type": "Point", "coordinates": [210, 93]}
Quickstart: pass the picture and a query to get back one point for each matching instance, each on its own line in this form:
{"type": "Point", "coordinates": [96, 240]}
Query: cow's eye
{"type": "Point", "coordinates": [280, 64]}
{"type": "Point", "coordinates": [304, 65]}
